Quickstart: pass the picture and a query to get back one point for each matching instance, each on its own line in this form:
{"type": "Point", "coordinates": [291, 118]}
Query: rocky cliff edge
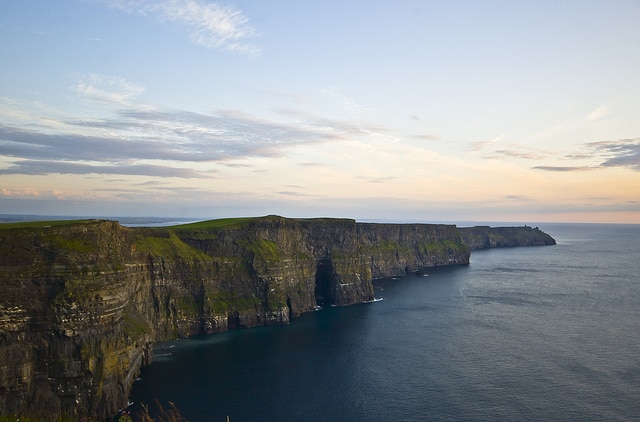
{"type": "Point", "coordinates": [82, 302]}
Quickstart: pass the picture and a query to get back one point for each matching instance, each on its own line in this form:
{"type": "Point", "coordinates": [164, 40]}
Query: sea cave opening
{"type": "Point", "coordinates": [325, 282]}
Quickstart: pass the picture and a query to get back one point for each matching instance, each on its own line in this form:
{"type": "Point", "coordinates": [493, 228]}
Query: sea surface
{"type": "Point", "coordinates": [546, 333]}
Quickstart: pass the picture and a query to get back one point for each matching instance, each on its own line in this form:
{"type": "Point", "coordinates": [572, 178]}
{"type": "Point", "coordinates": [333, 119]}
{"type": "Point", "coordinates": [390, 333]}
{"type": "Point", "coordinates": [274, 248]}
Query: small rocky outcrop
{"type": "Point", "coordinates": [81, 303]}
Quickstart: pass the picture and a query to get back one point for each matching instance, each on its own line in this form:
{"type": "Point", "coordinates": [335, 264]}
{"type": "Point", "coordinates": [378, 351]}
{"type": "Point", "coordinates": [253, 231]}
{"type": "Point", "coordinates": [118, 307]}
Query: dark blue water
{"type": "Point", "coordinates": [542, 333]}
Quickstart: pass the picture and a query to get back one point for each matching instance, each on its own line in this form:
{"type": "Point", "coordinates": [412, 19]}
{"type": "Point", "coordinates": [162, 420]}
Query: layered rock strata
{"type": "Point", "coordinates": [81, 303]}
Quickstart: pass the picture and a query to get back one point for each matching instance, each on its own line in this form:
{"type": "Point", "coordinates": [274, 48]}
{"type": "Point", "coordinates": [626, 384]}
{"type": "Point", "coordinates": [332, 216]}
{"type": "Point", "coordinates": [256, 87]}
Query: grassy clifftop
{"type": "Point", "coordinates": [82, 301]}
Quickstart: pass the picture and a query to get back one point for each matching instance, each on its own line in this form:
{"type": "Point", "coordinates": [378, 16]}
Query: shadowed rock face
{"type": "Point", "coordinates": [81, 303]}
{"type": "Point", "coordinates": [485, 237]}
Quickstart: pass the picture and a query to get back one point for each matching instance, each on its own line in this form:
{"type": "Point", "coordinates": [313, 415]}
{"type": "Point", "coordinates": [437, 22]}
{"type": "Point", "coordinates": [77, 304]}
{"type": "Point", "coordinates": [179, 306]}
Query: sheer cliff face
{"type": "Point", "coordinates": [63, 344]}
{"type": "Point", "coordinates": [485, 237]}
{"type": "Point", "coordinates": [82, 302]}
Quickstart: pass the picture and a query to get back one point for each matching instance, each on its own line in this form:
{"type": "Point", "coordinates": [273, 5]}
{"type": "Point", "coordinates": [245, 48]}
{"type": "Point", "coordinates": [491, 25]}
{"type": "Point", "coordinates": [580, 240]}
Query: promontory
{"type": "Point", "coordinates": [82, 302]}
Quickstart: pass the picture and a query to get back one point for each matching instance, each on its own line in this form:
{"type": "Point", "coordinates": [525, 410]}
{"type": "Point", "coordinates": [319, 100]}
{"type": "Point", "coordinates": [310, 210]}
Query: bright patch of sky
{"type": "Point", "coordinates": [409, 110]}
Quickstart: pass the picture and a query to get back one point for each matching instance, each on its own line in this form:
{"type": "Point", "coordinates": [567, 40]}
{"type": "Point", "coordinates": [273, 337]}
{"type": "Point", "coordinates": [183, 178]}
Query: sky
{"type": "Point", "coordinates": [409, 110]}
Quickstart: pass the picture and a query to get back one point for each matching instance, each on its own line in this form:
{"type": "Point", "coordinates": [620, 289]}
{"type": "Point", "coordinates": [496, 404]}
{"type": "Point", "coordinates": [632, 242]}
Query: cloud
{"type": "Point", "coordinates": [375, 179]}
{"type": "Point", "coordinates": [600, 154]}
{"type": "Point", "coordinates": [110, 89]}
{"type": "Point", "coordinates": [345, 128]}
{"type": "Point", "coordinates": [292, 194]}
{"type": "Point", "coordinates": [512, 150]}
{"type": "Point", "coordinates": [237, 165]}
{"type": "Point", "coordinates": [208, 24]}
{"type": "Point", "coordinates": [563, 168]}
{"type": "Point", "coordinates": [620, 153]}
{"type": "Point", "coordinates": [480, 145]}
{"type": "Point", "coordinates": [599, 112]}
{"type": "Point", "coordinates": [348, 103]}
{"type": "Point", "coordinates": [44, 167]}
{"type": "Point", "coordinates": [519, 153]}
{"type": "Point", "coordinates": [517, 198]}
{"type": "Point", "coordinates": [427, 137]}
{"type": "Point", "coordinates": [31, 193]}
{"type": "Point", "coordinates": [167, 135]}
{"type": "Point", "coordinates": [133, 133]}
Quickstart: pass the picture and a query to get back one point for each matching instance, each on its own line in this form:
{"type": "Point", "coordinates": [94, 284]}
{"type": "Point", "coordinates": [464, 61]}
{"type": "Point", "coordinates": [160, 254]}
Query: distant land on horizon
{"type": "Point", "coordinates": [154, 221]}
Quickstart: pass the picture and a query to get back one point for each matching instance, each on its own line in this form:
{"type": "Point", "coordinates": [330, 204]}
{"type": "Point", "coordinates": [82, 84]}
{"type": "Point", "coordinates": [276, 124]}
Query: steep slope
{"type": "Point", "coordinates": [485, 237]}
{"type": "Point", "coordinates": [82, 302]}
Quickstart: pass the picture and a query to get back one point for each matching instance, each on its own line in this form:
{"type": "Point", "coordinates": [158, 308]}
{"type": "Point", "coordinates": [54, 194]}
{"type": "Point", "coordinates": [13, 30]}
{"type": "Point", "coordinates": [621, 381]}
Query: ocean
{"type": "Point", "coordinates": [536, 334]}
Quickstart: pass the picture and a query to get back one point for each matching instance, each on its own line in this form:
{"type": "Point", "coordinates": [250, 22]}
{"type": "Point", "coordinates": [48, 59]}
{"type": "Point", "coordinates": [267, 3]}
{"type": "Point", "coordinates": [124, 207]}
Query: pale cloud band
{"type": "Point", "coordinates": [132, 138]}
{"type": "Point", "coordinates": [139, 139]}
{"type": "Point", "coordinates": [618, 153]}
{"type": "Point", "coordinates": [110, 146]}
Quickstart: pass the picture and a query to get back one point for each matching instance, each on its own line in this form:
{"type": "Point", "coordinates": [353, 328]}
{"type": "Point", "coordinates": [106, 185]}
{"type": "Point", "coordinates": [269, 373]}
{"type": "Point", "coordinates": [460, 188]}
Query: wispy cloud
{"type": "Point", "coordinates": [480, 145]}
{"type": "Point", "coordinates": [348, 103]}
{"type": "Point", "coordinates": [31, 193]}
{"type": "Point", "coordinates": [493, 149]}
{"type": "Point", "coordinates": [563, 168]}
{"type": "Point", "coordinates": [131, 138]}
{"type": "Point", "coordinates": [620, 153]}
{"type": "Point", "coordinates": [599, 112]}
{"type": "Point", "coordinates": [211, 25]}
{"type": "Point", "coordinates": [44, 167]}
{"type": "Point", "coordinates": [602, 154]}
{"type": "Point", "coordinates": [292, 194]}
{"type": "Point", "coordinates": [519, 152]}
{"type": "Point", "coordinates": [111, 89]}
{"type": "Point", "coordinates": [428, 138]}
{"type": "Point", "coordinates": [376, 179]}
{"type": "Point", "coordinates": [517, 198]}
{"type": "Point", "coordinates": [110, 145]}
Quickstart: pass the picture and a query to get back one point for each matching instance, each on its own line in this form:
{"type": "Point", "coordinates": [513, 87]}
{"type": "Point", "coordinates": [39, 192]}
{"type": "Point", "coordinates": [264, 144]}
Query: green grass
{"type": "Point", "coordinates": [134, 325]}
{"type": "Point", "coordinates": [168, 247]}
{"type": "Point", "coordinates": [225, 302]}
{"type": "Point", "coordinates": [264, 249]}
{"type": "Point", "coordinates": [43, 224]}
{"type": "Point", "coordinates": [188, 304]}
{"type": "Point", "coordinates": [387, 247]}
{"type": "Point", "coordinates": [205, 230]}
{"type": "Point", "coordinates": [444, 246]}
{"type": "Point", "coordinates": [215, 224]}
{"type": "Point", "coordinates": [224, 223]}
{"type": "Point", "coordinates": [72, 244]}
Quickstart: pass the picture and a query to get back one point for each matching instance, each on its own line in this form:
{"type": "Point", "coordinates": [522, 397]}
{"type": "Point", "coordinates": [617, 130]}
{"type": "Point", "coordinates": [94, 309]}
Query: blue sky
{"type": "Point", "coordinates": [407, 110]}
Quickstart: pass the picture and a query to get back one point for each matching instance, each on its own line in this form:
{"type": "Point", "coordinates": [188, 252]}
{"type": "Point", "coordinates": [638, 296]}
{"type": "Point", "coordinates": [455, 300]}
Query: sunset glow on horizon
{"type": "Point", "coordinates": [407, 111]}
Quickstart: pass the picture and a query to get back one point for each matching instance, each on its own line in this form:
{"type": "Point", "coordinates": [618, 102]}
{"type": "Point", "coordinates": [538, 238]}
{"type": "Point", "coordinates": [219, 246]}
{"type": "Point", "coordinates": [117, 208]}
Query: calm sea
{"type": "Point", "coordinates": [542, 333]}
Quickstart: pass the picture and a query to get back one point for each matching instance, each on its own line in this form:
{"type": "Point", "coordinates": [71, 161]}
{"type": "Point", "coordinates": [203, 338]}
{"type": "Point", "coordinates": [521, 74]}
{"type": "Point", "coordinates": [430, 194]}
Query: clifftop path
{"type": "Point", "coordinates": [82, 302]}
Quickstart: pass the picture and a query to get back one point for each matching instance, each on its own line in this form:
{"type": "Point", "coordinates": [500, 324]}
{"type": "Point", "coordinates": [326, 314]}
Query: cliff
{"type": "Point", "coordinates": [485, 237]}
{"type": "Point", "coordinates": [82, 302]}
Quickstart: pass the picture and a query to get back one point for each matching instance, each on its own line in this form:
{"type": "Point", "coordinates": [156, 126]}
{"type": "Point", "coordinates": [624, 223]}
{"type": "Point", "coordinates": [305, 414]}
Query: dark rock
{"type": "Point", "coordinates": [485, 237]}
{"type": "Point", "coordinates": [82, 303]}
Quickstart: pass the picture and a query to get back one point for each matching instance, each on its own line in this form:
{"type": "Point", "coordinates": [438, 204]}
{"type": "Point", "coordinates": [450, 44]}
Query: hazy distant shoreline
{"type": "Point", "coordinates": [125, 221]}
{"type": "Point", "coordinates": [171, 221]}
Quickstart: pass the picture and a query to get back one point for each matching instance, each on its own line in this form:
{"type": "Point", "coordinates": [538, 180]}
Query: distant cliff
{"type": "Point", "coordinates": [485, 237]}
{"type": "Point", "coordinates": [81, 303]}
